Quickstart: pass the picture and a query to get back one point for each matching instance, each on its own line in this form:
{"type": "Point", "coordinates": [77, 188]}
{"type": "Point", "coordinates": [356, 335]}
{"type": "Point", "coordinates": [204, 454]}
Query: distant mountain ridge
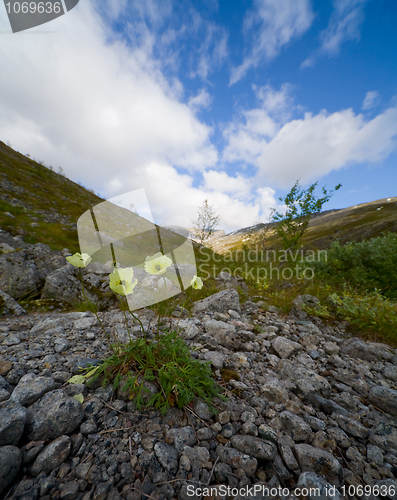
{"type": "Point", "coordinates": [354, 223]}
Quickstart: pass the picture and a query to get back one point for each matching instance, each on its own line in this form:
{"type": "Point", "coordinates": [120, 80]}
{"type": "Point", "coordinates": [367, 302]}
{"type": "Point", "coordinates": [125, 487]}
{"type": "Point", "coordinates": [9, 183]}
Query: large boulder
{"type": "Point", "coordinates": [359, 349]}
{"type": "Point", "coordinates": [10, 461]}
{"type": "Point", "coordinates": [313, 459]}
{"type": "Point", "coordinates": [53, 415]}
{"type": "Point", "coordinates": [19, 277]}
{"type": "Point", "coordinates": [45, 259]}
{"type": "Point", "coordinates": [384, 398]}
{"type": "Point", "coordinates": [52, 456]}
{"type": "Point", "coordinates": [63, 285]}
{"type": "Point", "coordinates": [219, 302]}
{"type": "Point", "coordinates": [12, 423]}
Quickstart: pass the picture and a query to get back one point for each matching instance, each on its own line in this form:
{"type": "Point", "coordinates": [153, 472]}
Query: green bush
{"type": "Point", "coordinates": [368, 265]}
{"type": "Point", "coordinates": [371, 313]}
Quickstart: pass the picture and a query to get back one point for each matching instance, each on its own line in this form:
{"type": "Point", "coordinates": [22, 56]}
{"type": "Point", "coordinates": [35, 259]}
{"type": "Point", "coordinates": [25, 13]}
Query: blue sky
{"type": "Point", "coordinates": [232, 101]}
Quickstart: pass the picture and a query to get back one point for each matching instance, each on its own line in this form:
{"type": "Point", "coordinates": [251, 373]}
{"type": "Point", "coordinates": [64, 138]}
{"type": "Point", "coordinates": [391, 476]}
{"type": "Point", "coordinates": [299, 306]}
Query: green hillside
{"type": "Point", "coordinates": [364, 221]}
{"type": "Point", "coordinates": [38, 203]}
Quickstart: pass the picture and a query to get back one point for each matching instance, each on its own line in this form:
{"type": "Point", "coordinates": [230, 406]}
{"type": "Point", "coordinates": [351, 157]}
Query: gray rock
{"type": "Point", "coordinates": [384, 398]}
{"type": "Point", "coordinates": [285, 445]}
{"type": "Point", "coordinates": [357, 348]}
{"type": "Point", "coordinates": [375, 455]}
{"type": "Point", "coordinates": [385, 436]}
{"type": "Point", "coordinates": [217, 359]}
{"type": "Point", "coordinates": [52, 456]}
{"type": "Point", "coordinates": [331, 348]}
{"type": "Point", "coordinates": [69, 490]}
{"type": "Point", "coordinates": [326, 405]}
{"type": "Point", "coordinates": [12, 423]}
{"type": "Point", "coordinates": [220, 302]}
{"type": "Point", "coordinates": [20, 277]}
{"type": "Point", "coordinates": [318, 487]}
{"type": "Point", "coordinates": [63, 285]}
{"type": "Point", "coordinates": [285, 347]}
{"type": "Point", "coordinates": [4, 395]}
{"type": "Point", "coordinates": [305, 381]}
{"type": "Point", "coordinates": [198, 454]}
{"type": "Point", "coordinates": [11, 304]}
{"type": "Point", "coordinates": [85, 322]}
{"type": "Point", "coordinates": [312, 459]}
{"type": "Point", "coordinates": [202, 409]}
{"type": "Point", "coordinates": [10, 461]}
{"type": "Point", "coordinates": [31, 388]}
{"type": "Point", "coordinates": [223, 333]}
{"type": "Point", "coordinates": [295, 426]}
{"type": "Point", "coordinates": [352, 426]}
{"type": "Point", "coordinates": [62, 345]}
{"type": "Point", "coordinates": [309, 300]}
{"type": "Point", "coordinates": [340, 436]}
{"type": "Point", "coordinates": [11, 340]}
{"type": "Point", "coordinates": [237, 460]}
{"type": "Point", "coordinates": [275, 391]}
{"type": "Point", "coordinates": [254, 447]}
{"type": "Point", "coordinates": [267, 433]}
{"type": "Point", "coordinates": [182, 437]}
{"type": "Point", "coordinates": [53, 415]}
{"type": "Point", "coordinates": [390, 372]}
{"type": "Point", "coordinates": [188, 329]}
{"type": "Point", "coordinates": [167, 456]}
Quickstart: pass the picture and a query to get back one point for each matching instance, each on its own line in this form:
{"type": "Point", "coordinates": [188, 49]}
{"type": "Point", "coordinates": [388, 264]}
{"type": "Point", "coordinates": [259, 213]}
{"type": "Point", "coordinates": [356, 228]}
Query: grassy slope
{"type": "Point", "coordinates": [31, 190]}
{"type": "Point", "coordinates": [363, 221]}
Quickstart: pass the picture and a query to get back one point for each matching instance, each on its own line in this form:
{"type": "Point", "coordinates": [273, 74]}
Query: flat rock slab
{"type": "Point", "coordinates": [53, 415]}
{"type": "Point", "coordinates": [220, 302]}
{"type": "Point", "coordinates": [31, 388]}
{"type": "Point", "coordinates": [254, 447]}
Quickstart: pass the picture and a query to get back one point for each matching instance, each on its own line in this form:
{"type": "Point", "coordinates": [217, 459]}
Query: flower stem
{"type": "Point", "coordinates": [125, 317]}
{"type": "Point", "coordinates": [139, 321]}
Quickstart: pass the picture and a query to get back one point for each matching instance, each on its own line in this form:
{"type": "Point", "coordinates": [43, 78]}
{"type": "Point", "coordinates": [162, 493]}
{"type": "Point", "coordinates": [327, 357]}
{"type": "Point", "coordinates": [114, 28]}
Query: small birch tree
{"type": "Point", "coordinates": [301, 205]}
{"type": "Point", "coordinates": [205, 224]}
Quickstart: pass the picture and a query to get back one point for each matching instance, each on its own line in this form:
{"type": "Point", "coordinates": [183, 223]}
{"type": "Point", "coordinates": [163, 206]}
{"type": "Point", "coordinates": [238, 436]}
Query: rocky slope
{"type": "Point", "coordinates": [308, 405]}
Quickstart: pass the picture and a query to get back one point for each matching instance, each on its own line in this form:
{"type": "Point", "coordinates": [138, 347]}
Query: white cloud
{"type": "Point", "coordinates": [312, 147]}
{"type": "Point", "coordinates": [200, 101]}
{"type": "Point", "coordinates": [212, 50]}
{"type": "Point", "coordinates": [174, 200]}
{"type": "Point", "coordinates": [86, 101]}
{"type": "Point", "coordinates": [370, 100]}
{"type": "Point", "coordinates": [247, 134]}
{"type": "Point", "coordinates": [344, 24]}
{"type": "Point", "coordinates": [285, 149]}
{"type": "Point", "coordinates": [220, 181]}
{"type": "Point", "coordinates": [279, 21]}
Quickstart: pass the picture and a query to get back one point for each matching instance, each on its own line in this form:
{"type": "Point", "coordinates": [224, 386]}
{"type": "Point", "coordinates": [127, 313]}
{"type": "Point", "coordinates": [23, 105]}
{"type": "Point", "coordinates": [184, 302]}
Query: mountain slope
{"type": "Point", "coordinates": [349, 224]}
{"type": "Point", "coordinates": [39, 204]}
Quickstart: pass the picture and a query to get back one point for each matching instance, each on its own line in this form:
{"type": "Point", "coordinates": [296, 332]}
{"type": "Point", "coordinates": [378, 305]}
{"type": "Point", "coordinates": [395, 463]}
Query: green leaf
{"type": "Point", "coordinates": [79, 398]}
{"type": "Point", "coordinates": [77, 379]}
{"type": "Point", "coordinates": [91, 373]}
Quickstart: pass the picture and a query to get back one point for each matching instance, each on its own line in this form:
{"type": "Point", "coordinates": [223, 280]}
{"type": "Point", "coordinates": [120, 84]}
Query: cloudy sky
{"type": "Point", "coordinates": [229, 100]}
